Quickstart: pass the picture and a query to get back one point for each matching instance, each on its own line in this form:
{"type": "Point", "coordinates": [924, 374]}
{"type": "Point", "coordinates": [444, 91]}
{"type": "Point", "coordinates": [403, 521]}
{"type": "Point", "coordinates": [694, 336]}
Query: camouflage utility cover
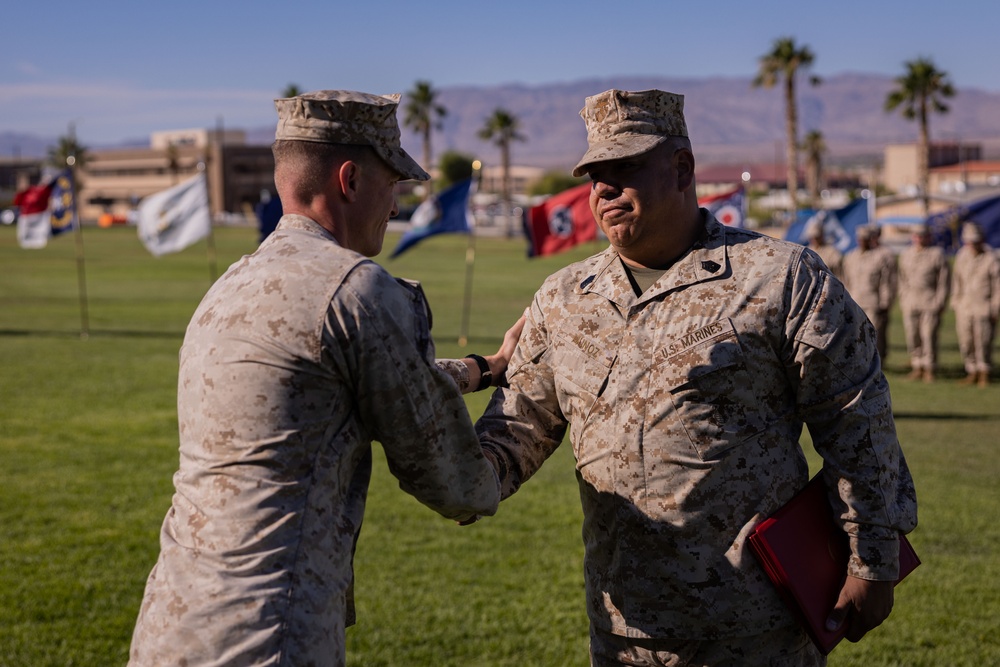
{"type": "Point", "coordinates": [348, 117]}
{"type": "Point", "coordinates": [622, 124]}
{"type": "Point", "coordinates": [297, 358]}
{"type": "Point", "coordinates": [684, 408]}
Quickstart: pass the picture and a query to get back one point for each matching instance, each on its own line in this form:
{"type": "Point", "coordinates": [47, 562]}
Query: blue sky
{"type": "Point", "coordinates": [120, 70]}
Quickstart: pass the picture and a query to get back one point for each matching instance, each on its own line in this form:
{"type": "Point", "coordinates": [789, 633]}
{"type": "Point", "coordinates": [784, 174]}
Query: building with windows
{"type": "Point", "coordinates": [114, 180]}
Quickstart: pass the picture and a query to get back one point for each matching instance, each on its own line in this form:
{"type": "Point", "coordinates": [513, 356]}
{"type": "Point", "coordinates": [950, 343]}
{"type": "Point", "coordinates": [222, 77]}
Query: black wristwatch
{"type": "Point", "coordinates": [485, 374]}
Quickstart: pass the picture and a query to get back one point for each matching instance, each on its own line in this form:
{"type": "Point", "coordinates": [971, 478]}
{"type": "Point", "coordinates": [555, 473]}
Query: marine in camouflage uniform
{"type": "Point", "coordinates": [299, 357]}
{"type": "Point", "coordinates": [683, 361]}
{"type": "Point", "coordinates": [975, 297]}
{"type": "Point", "coordinates": [833, 258]}
{"type": "Point", "coordinates": [870, 275]}
{"type": "Point", "coordinates": [924, 284]}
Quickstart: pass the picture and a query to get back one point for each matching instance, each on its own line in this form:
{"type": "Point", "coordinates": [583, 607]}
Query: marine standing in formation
{"type": "Point", "coordinates": [975, 297]}
{"type": "Point", "coordinates": [828, 252]}
{"type": "Point", "coordinates": [870, 276]}
{"type": "Point", "coordinates": [924, 283]}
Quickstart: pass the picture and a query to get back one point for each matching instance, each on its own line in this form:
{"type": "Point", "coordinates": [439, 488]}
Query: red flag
{"type": "Point", "coordinates": [34, 199]}
{"type": "Point", "coordinates": [561, 222]}
{"type": "Point", "coordinates": [33, 216]}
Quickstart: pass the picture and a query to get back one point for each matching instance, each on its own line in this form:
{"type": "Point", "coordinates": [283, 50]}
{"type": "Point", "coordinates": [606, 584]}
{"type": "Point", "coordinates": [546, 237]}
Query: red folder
{"type": "Point", "coordinates": [805, 555]}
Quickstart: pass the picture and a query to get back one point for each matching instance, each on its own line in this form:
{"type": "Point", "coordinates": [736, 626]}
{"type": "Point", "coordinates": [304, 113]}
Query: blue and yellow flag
{"type": "Point", "coordinates": [62, 205]}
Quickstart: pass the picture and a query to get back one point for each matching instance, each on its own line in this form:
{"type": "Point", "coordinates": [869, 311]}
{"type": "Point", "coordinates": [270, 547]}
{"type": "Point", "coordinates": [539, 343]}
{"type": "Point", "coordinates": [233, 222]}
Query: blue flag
{"type": "Point", "coordinates": [839, 226]}
{"type": "Point", "coordinates": [985, 212]}
{"type": "Point", "coordinates": [446, 212]}
{"type": "Point", "coordinates": [268, 212]}
{"type": "Point", "coordinates": [62, 205]}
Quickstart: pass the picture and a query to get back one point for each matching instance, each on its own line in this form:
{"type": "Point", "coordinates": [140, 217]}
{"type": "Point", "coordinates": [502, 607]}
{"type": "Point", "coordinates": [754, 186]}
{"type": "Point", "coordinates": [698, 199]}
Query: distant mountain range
{"type": "Point", "coordinates": [729, 121]}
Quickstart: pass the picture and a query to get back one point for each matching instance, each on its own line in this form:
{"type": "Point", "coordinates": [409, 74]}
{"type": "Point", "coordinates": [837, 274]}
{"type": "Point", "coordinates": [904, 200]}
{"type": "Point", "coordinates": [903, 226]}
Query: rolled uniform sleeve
{"type": "Point", "coordinates": [843, 398]}
{"type": "Point", "coordinates": [409, 404]}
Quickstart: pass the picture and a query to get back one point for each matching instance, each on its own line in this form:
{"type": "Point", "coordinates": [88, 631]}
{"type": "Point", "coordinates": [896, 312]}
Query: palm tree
{"type": "Point", "coordinates": [173, 162]}
{"type": "Point", "coordinates": [920, 91]}
{"type": "Point", "coordinates": [814, 146]}
{"type": "Point", "coordinates": [502, 128]}
{"type": "Point", "coordinates": [423, 114]}
{"type": "Point", "coordinates": [67, 147]}
{"type": "Point", "coordinates": [783, 62]}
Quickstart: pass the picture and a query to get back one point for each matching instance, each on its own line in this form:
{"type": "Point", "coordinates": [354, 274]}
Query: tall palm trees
{"type": "Point", "coordinates": [782, 63]}
{"type": "Point", "coordinates": [918, 92]}
{"type": "Point", "coordinates": [423, 114]}
{"type": "Point", "coordinates": [502, 128]}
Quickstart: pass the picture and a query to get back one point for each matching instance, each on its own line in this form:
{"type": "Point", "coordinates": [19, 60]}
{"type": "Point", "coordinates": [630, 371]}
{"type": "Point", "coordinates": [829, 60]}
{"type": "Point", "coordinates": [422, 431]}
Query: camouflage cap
{"type": "Point", "coordinates": [971, 233]}
{"type": "Point", "coordinates": [347, 117]}
{"type": "Point", "coordinates": [622, 123]}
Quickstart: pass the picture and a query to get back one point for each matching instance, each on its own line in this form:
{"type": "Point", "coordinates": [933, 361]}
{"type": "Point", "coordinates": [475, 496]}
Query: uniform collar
{"type": "Point", "coordinates": [706, 260]}
{"type": "Point", "coordinates": [294, 221]}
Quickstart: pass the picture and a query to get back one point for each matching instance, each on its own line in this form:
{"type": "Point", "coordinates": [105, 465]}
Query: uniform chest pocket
{"type": "Point", "coordinates": [712, 393]}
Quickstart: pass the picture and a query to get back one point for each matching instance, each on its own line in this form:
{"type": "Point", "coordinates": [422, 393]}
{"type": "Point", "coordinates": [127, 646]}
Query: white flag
{"type": "Point", "coordinates": [171, 220]}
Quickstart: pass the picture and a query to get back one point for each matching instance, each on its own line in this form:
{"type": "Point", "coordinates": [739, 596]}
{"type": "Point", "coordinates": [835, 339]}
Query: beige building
{"type": "Point", "coordinates": [521, 178]}
{"type": "Point", "coordinates": [900, 171]}
{"type": "Point", "coordinates": [114, 181]}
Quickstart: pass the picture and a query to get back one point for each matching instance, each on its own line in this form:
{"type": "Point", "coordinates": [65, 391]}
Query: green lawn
{"type": "Point", "coordinates": [88, 444]}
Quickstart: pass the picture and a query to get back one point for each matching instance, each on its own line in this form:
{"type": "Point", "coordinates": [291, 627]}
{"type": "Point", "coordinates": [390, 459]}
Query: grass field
{"type": "Point", "coordinates": [88, 446]}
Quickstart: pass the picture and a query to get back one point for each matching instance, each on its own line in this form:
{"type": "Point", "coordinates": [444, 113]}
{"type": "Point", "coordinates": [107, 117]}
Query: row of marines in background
{"type": "Point", "coordinates": [924, 283]}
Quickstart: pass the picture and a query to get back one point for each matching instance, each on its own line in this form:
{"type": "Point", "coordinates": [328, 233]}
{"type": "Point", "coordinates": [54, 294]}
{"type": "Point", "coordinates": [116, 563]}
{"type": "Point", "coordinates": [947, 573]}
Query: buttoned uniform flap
{"type": "Point", "coordinates": [711, 390]}
{"type": "Point", "coordinates": [708, 349]}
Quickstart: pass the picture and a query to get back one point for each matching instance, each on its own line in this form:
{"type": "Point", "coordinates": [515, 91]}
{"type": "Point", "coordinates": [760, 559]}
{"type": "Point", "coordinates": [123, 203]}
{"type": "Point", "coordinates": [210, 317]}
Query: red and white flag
{"type": "Point", "coordinates": [33, 228]}
{"type": "Point", "coordinates": [560, 222]}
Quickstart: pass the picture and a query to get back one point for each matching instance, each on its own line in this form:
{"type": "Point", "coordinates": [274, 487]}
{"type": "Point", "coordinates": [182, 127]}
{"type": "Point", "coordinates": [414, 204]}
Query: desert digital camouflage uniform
{"type": "Point", "coordinates": [833, 258]}
{"type": "Point", "coordinates": [870, 276]}
{"type": "Point", "coordinates": [684, 408]}
{"type": "Point", "coordinates": [924, 284]}
{"type": "Point", "coordinates": [975, 297]}
{"type": "Point", "coordinates": [297, 358]}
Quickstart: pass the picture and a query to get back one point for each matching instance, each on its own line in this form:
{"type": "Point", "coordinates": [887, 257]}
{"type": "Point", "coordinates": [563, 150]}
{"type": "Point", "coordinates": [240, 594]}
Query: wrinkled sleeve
{"type": "Point", "coordinates": [379, 329]}
{"type": "Point", "coordinates": [843, 398]}
{"type": "Point", "coordinates": [522, 424]}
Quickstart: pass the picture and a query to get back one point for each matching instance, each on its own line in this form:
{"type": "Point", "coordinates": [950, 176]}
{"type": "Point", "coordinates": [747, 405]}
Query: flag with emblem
{"type": "Point", "coordinates": [176, 218]}
{"type": "Point", "coordinates": [62, 203]}
{"type": "Point", "coordinates": [445, 212]}
{"type": "Point", "coordinates": [728, 207]}
{"type": "Point", "coordinates": [560, 222]}
{"type": "Point", "coordinates": [33, 228]}
{"type": "Point", "coordinates": [839, 225]}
